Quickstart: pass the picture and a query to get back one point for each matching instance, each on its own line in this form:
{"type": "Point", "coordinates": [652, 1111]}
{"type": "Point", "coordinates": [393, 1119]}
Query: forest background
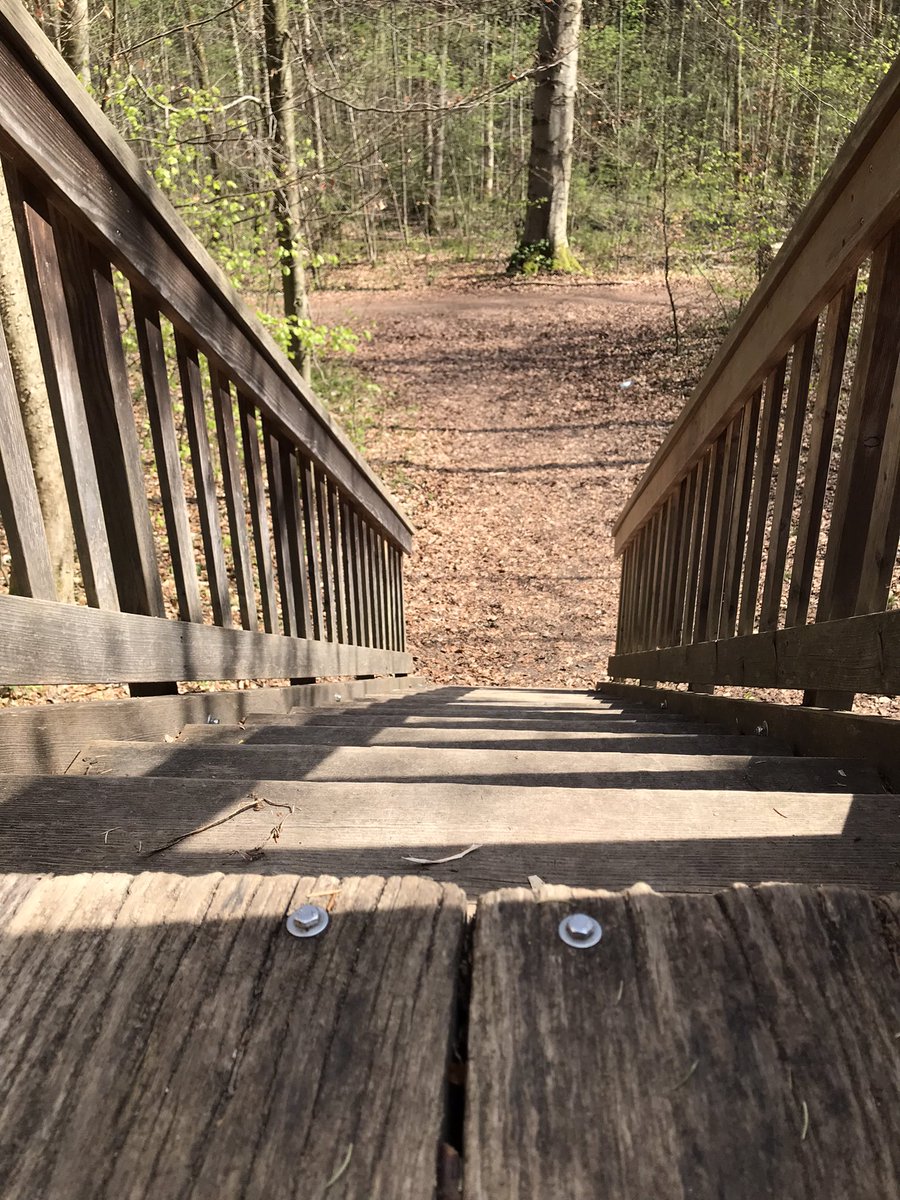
{"type": "Point", "coordinates": [403, 129]}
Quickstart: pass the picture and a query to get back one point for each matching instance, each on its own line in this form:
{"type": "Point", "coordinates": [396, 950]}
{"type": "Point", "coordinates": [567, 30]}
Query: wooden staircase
{"type": "Point", "coordinates": [567, 786]}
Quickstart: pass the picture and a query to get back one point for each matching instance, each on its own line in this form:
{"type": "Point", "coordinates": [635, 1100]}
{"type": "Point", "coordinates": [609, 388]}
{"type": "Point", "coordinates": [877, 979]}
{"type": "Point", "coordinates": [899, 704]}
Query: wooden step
{"type": "Point", "coordinates": [741, 1045]}
{"type": "Point", "coordinates": [374, 717]}
{"type": "Point", "coordinates": [166, 1037]}
{"type": "Point", "coordinates": [521, 768]}
{"type": "Point", "coordinates": [481, 738]}
{"type": "Point", "coordinates": [689, 841]}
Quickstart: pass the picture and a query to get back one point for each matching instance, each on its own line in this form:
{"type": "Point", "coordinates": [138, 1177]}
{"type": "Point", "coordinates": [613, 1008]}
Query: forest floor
{"type": "Point", "coordinates": [513, 421]}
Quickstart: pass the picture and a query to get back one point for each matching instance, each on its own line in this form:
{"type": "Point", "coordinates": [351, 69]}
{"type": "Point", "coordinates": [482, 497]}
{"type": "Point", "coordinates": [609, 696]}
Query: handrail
{"type": "Point", "coordinates": [84, 206]}
{"type": "Point", "coordinates": [739, 495]}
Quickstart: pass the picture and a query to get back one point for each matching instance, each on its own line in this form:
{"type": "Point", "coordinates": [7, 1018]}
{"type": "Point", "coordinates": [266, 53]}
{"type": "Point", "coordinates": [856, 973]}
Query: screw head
{"type": "Point", "coordinates": [581, 930]}
{"type": "Point", "coordinates": [307, 921]}
{"type": "Point", "coordinates": [338, 697]}
{"type": "Point", "coordinates": [212, 720]}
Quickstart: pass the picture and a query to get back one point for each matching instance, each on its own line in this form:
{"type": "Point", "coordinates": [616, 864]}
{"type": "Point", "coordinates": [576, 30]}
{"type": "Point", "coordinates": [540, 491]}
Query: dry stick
{"type": "Point", "coordinates": [254, 804]}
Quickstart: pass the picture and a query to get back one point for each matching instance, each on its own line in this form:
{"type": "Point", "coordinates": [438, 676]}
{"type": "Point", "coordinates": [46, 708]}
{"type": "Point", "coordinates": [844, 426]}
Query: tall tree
{"type": "Point", "coordinates": [552, 134]}
{"type": "Point", "coordinates": [288, 212]}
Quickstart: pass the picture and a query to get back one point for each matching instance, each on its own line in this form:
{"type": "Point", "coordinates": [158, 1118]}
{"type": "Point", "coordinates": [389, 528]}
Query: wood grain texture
{"type": "Point", "coordinates": [858, 653]}
{"type": "Point", "coordinates": [94, 318]}
{"type": "Point", "coordinates": [226, 436]}
{"type": "Point", "coordinates": [47, 642]}
{"type": "Point", "coordinates": [738, 1045]}
{"type": "Point", "coordinates": [503, 768]}
{"type": "Point", "coordinates": [20, 509]}
{"type": "Point", "coordinates": [807, 730]}
{"type": "Point", "coordinates": [695, 841]}
{"type": "Point", "coordinates": [167, 1037]}
{"type": "Point", "coordinates": [256, 496]}
{"type": "Point", "coordinates": [44, 738]}
{"type": "Point", "coordinates": [40, 260]}
{"type": "Point", "coordinates": [161, 415]}
{"type": "Point", "coordinates": [195, 419]}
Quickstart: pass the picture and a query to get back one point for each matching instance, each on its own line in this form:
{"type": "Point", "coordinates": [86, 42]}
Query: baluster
{"type": "Point", "coordinates": [326, 536]}
{"type": "Point", "coordinates": [307, 472]}
{"type": "Point", "coordinates": [831, 375]}
{"type": "Point", "coordinates": [711, 517]}
{"type": "Point", "coordinates": [348, 551]}
{"type": "Point", "coordinates": [723, 527]}
{"type": "Point", "coordinates": [20, 508]}
{"type": "Point", "coordinates": [737, 534]}
{"type": "Point", "coordinates": [337, 563]}
{"type": "Point", "coordinates": [223, 408]}
{"type": "Point", "coordinates": [299, 534]}
{"type": "Point", "coordinates": [42, 272]}
{"type": "Point", "coordinates": [688, 500]}
{"type": "Point", "coordinates": [257, 496]}
{"type": "Point", "coordinates": [168, 462]}
{"type": "Point", "coordinates": [365, 579]}
{"type": "Point", "coordinates": [759, 501]}
{"type": "Point", "coordinates": [855, 577]}
{"type": "Point", "coordinates": [275, 450]}
{"type": "Point", "coordinates": [697, 519]}
{"type": "Point", "coordinates": [94, 319]}
{"type": "Point", "coordinates": [204, 480]}
{"type": "Point", "coordinates": [786, 482]}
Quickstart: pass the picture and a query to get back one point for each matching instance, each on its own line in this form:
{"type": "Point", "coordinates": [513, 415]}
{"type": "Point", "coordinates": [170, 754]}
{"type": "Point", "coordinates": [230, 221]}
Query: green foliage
{"type": "Point", "coordinates": [530, 259]}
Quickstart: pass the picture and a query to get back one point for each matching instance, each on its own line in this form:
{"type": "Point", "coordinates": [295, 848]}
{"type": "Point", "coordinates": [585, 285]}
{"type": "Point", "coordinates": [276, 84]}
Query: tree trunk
{"type": "Point", "coordinates": [21, 340]}
{"type": "Point", "coordinates": [76, 41]}
{"type": "Point", "coordinates": [288, 214]}
{"type": "Point", "coordinates": [552, 132]}
{"type": "Point", "coordinates": [487, 155]}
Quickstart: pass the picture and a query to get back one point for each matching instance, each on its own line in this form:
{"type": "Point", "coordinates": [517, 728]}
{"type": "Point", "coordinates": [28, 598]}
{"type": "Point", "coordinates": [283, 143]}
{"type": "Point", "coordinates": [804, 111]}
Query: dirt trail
{"type": "Point", "coordinates": [518, 421]}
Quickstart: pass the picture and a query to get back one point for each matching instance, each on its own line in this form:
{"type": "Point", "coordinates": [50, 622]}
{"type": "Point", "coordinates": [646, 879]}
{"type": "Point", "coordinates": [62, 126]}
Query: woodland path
{"type": "Point", "coordinates": [512, 440]}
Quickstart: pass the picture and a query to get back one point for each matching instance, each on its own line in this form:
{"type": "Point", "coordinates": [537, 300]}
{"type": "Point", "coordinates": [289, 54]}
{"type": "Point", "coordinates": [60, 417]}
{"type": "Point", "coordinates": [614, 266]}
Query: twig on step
{"type": "Point", "coordinates": [435, 862]}
{"type": "Point", "coordinates": [254, 805]}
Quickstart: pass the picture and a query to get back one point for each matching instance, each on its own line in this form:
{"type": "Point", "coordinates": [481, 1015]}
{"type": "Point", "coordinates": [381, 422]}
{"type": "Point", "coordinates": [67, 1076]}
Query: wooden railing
{"type": "Point", "coordinates": [300, 573]}
{"type": "Point", "coordinates": [759, 548]}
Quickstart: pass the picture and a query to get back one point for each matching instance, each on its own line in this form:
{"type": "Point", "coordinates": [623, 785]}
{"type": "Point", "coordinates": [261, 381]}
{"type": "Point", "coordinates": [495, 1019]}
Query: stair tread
{"type": "Point", "coordinates": [593, 838]}
{"type": "Point", "coordinates": [352, 716]}
{"type": "Point", "coordinates": [482, 737]}
{"type": "Point", "coordinates": [585, 769]}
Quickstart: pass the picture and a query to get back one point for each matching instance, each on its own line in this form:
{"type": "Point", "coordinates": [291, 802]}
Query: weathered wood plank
{"type": "Point", "coordinates": [514, 767]}
{"type": "Point", "coordinates": [280, 492]}
{"type": "Point", "coordinates": [846, 574]}
{"type": "Point", "coordinates": [342, 625]}
{"type": "Point", "coordinates": [742, 1044]}
{"type": "Point", "coordinates": [54, 130]}
{"type": "Point", "coordinates": [807, 730]}
{"type": "Point", "coordinates": [861, 654]}
{"type": "Point", "coordinates": [168, 461]}
{"type": "Point", "coordinates": [43, 274]}
{"type": "Point", "coordinates": [44, 738]}
{"type": "Point", "coordinates": [256, 495]}
{"type": "Point", "coordinates": [223, 408]}
{"type": "Point", "coordinates": [759, 499]}
{"type": "Point", "coordinates": [610, 838]}
{"type": "Point", "coordinates": [786, 480]}
{"type": "Point", "coordinates": [737, 534]}
{"type": "Point", "coordinates": [213, 1052]}
{"type": "Point", "coordinates": [831, 374]}
{"type": "Point", "coordinates": [20, 508]}
{"type": "Point", "coordinates": [109, 408]}
{"type": "Point", "coordinates": [46, 642]}
{"type": "Point", "coordinates": [204, 479]}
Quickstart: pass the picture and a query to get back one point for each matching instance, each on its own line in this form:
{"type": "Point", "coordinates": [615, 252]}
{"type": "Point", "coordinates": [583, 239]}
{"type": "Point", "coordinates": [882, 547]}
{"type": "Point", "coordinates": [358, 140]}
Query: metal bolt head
{"type": "Point", "coordinates": [212, 720]}
{"type": "Point", "coordinates": [578, 929]}
{"type": "Point", "coordinates": [337, 697]}
{"type": "Point", "coordinates": [307, 921]}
